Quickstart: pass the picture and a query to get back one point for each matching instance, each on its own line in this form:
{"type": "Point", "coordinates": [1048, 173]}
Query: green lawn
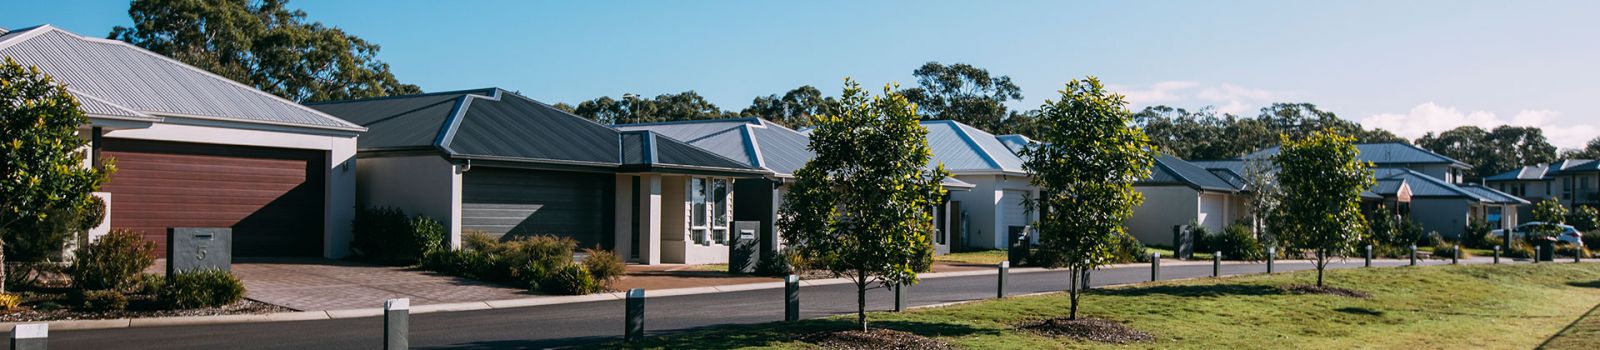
{"type": "Point", "coordinates": [1470, 307]}
{"type": "Point", "coordinates": [1582, 334]}
{"type": "Point", "coordinates": [991, 257]}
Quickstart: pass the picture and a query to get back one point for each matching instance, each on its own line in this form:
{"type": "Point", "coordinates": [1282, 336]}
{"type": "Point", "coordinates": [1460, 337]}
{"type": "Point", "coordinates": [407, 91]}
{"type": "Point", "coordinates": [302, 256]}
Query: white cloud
{"type": "Point", "coordinates": [1227, 98]}
{"type": "Point", "coordinates": [1431, 117]}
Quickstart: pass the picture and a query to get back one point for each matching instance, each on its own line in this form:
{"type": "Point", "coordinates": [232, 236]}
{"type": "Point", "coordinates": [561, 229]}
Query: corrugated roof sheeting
{"type": "Point", "coordinates": [1383, 153]}
{"type": "Point", "coordinates": [93, 106]}
{"type": "Point", "coordinates": [403, 122]}
{"type": "Point", "coordinates": [1494, 196]}
{"type": "Point", "coordinates": [1171, 170]}
{"type": "Point", "coordinates": [992, 147]}
{"type": "Point", "coordinates": [783, 150]}
{"type": "Point", "coordinates": [144, 81]}
{"type": "Point", "coordinates": [521, 128]}
{"type": "Point", "coordinates": [756, 142]}
{"type": "Point", "coordinates": [633, 147]}
{"type": "Point", "coordinates": [1423, 185]}
{"type": "Point", "coordinates": [670, 151]}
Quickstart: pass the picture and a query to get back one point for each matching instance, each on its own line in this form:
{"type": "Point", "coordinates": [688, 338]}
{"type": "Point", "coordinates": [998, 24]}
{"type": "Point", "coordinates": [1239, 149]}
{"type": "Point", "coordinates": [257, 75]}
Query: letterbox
{"type": "Point", "coordinates": [744, 249]}
{"type": "Point", "coordinates": [199, 248]}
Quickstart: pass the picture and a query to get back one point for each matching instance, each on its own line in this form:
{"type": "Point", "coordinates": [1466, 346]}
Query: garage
{"type": "Point", "coordinates": [271, 197]}
{"type": "Point", "coordinates": [1213, 211]}
{"type": "Point", "coordinates": [521, 202]}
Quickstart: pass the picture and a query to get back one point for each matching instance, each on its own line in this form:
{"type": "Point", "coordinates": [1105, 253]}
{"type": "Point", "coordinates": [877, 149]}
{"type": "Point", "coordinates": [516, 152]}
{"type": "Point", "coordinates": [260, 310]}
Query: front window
{"type": "Point", "coordinates": [719, 210]}
{"type": "Point", "coordinates": [697, 210]}
{"type": "Point", "coordinates": [708, 217]}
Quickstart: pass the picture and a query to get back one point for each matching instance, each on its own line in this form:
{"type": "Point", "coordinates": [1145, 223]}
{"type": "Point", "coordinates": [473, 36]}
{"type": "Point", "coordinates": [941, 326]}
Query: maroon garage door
{"type": "Point", "coordinates": [272, 198]}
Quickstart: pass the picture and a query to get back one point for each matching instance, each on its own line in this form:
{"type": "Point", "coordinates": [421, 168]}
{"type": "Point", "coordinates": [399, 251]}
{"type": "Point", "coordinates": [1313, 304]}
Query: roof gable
{"type": "Point", "coordinates": [753, 141]}
{"type": "Point", "coordinates": [1169, 170]}
{"type": "Point", "coordinates": [965, 149]}
{"type": "Point", "coordinates": [119, 78]}
{"type": "Point", "coordinates": [1385, 153]}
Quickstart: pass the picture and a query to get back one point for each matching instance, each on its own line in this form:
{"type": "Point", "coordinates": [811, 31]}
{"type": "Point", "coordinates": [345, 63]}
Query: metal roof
{"type": "Point", "coordinates": [1423, 185]}
{"type": "Point", "coordinates": [1494, 196]}
{"type": "Point", "coordinates": [753, 141]}
{"type": "Point", "coordinates": [495, 124]}
{"type": "Point", "coordinates": [966, 150]}
{"type": "Point", "coordinates": [1385, 153]}
{"type": "Point", "coordinates": [1169, 170]}
{"type": "Point", "coordinates": [118, 78]}
{"type": "Point", "coordinates": [1547, 171]}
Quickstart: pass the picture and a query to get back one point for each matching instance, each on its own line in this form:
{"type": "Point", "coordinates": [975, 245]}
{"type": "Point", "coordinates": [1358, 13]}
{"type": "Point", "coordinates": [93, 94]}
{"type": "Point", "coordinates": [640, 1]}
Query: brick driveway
{"type": "Point", "coordinates": [318, 284]}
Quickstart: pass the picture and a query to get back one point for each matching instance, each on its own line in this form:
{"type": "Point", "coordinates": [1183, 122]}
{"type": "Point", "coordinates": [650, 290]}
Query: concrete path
{"type": "Point", "coordinates": [317, 284]}
{"type": "Point", "coordinates": [569, 324]}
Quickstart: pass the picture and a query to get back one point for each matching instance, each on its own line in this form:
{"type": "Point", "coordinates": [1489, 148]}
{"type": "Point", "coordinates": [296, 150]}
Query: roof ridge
{"type": "Point", "coordinates": [972, 142]}
{"type": "Point", "coordinates": [395, 97]}
{"type": "Point", "coordinates": [696, 121]}
{"type": "Point", "coordinates": [77, 92]}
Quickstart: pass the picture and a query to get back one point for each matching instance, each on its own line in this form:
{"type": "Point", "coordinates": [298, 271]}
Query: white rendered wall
{"type": "Point", "coordinates": [421, 184]}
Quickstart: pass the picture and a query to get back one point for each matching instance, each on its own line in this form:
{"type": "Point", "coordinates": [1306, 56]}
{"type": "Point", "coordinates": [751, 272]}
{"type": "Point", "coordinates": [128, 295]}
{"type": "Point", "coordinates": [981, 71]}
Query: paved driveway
{"type": "Point", "coordinates": [317, 284]}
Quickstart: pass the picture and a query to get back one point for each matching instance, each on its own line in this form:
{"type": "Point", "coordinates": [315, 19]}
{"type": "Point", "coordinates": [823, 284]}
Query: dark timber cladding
{"type": "Point", "coordinates": [272, 198]}
{"type": "Point", "coordinates": [519, 202]}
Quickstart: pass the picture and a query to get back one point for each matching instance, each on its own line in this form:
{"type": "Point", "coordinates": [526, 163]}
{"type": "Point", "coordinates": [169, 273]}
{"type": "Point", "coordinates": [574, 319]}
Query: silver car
{"type": "Point", "coordinates": [1568, 234]}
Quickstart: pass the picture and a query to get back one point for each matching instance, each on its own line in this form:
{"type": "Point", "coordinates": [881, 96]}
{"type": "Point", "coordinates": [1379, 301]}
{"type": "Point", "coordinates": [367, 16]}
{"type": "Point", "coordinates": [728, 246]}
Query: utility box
{"type": "Point", "coordinates": [1018, 245]}
{"type": "Point", "coordinates": [199, 248]}
{"type": "Point", "coordinates": [1183, 241]}
{"type": "Point", "coordinates": [744, 248]}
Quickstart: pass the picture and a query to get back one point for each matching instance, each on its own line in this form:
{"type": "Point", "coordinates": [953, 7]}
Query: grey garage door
{"type": "Point", "coordinates": [537, 202]}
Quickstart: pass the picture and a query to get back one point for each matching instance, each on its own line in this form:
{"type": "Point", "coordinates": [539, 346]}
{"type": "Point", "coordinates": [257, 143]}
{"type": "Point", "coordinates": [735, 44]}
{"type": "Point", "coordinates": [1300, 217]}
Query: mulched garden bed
{"type": "Point", "coordinates": [58, 307]}
{"type": "Point", "coordinates": [1087, 329]}
{"type": "Point", "coordinates": [875, 338]}
{"type": "Point", "coordinates": [1311, 289]}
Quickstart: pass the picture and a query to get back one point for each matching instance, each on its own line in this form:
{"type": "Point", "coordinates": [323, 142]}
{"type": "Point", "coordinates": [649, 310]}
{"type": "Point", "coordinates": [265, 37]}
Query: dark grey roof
{"type": "Point", "coordinates": [117, 78]}
{"type": "Point", "coordinates": [1169, 170]}
{"type": "Point", "coordinates": [1494, 196]}
{"type": "Point", "coordinates": [1423, 185]}
{"type": "Point", "coordinates": [1386, 154]}
{"type": "Point", "coordinates": [494, 124]}
{"type": "Point", "coordinates": [965, 149]}
{"type": "Point", "coordinates": [755, 142]}
{"type": "Point", "coordinates": [1547, 171]}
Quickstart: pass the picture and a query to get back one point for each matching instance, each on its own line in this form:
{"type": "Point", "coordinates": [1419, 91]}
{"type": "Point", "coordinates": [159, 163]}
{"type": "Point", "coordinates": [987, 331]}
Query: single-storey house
{"type": "Point", "coordinates": [494, 161]}
{"type": "Point", "coordinates": [1448, 208]}
{"type": "Point", "coordinates": [1572, 182]}
{"type": "Point", "coordinates": [762, 144]}
{"type": "Point", "coordinates": [992, 211]}
{"type": "Point", "coordinates": [193, 149]}
{"type": "Point", "coordinates": [1182, 193]}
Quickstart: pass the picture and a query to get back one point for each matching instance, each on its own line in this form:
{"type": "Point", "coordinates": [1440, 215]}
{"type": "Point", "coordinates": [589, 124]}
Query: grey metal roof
{"type": "Point", "coordinates": [1385, 153]}
{"type": "Point", "coordinates": [1547, 171]}
{"type": "Point", "coordinates": [495, 124]}
{"type": "Point", "coordinates": [966, 150]}
{"type": "Point", "coordinates": [1169, 170]}
{"type": "Point", "coordinates": [1423, 185]}
{"type": "Point", "coordinates": [121, 77]}
{"type": "Point", "coordinates": [1494, 196]}
{"type": "Point", "coordinates": [1014, 142]}
{"type": "Point", "coordinates": [755, 142]}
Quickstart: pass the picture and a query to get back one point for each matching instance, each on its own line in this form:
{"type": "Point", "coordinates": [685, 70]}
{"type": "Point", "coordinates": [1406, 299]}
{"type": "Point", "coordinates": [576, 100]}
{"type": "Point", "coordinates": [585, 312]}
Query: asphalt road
{"type": "Point", "coordinates": [593, 322]}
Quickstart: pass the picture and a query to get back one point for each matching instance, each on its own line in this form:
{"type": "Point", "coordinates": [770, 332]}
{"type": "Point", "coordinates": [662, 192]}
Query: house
{"type": "Point", "coordinates": [1438, 200]}
{"type": "Point", "coordinates": [1179, 192]}
{"type": "Point", "coordinates": [194, 149]}
{"type": "Point", "coordinates": [494, 161]}
{"type": "Point", "coordinates": [1572, 182]}
{"type": "Point", "coordinates": [762, 144]}
{"type": "Point", "coordinates": [993, 210]}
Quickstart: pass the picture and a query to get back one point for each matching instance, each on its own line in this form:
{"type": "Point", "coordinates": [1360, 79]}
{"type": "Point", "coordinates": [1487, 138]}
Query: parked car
{"type": "Point", "coordinates": [1568, 234]}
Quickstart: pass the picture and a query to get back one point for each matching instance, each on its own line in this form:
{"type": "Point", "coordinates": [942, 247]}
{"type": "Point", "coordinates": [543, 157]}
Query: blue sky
{"type": "Point", "coordinates": [1410, 67]}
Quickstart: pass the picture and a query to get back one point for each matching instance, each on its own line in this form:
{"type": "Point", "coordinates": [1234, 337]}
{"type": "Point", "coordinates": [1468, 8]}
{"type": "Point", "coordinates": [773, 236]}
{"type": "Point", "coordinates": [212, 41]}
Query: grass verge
{"type": "Point", "coordinates": [1477, 307]}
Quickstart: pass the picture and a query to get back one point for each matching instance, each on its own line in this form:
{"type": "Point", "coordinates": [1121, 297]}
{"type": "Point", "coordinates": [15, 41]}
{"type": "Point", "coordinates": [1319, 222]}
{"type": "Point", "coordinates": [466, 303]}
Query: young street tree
{"type": "Point", "coordinates": [1552, 214]}
{"type": "Point", "coordinates": [1320, 180]}
{"type": "Point", "coordinates": [862, 207]}
{"type": "Point", "coordinates": [1089, 155]}
{"type": "Point", "coordinates": [41, 165]}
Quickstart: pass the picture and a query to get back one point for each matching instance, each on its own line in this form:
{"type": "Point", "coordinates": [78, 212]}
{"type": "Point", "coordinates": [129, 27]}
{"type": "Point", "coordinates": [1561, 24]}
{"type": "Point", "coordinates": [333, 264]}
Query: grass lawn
{"type": "Point", "coordinates": [989, 257]}
{"type": "Point", "coordinates": [1582, 334]}
{"type": "Point", "coordinates": [1472, 307]}
{"type": "Point", "coordinates": [1472, 251]}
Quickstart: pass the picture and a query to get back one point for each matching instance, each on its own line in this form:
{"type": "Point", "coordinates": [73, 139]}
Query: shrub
{"type": "Point", "coordinates": [150, 284]}
{"type": "Point", "coordinates": [776, 264]}
{"type": "Point", "coordinates": [199, 289]}
{"type": "Point", "coordinates": [1444, 249]}
{"type": "Point", "coordinates": [113, 261]}
{"type": "Point", "coordinates": [526, 261]}
{"type": "Point", "coordinates": [1569, 250]}
{"type": "Point", "coordinates": [102, 300]}
{"type": "Point", "coordinates": [1519, 249]}
{"type": "Point", "coordinates": [387, 236]}
{"type": "Point", "coordinates": [1478, 235]}
{"type": "Point", "coordinates": [1201, 238]}
{"type": "Point", "coordinates": [1127, 249]}
{"type": "Point", "coordinates": [425, 235]}
{"type": "Point", "coordinates": [10, 301]}
{"type": "Point", "coordinates": [478, 240]}
{"type": "Point", "coordinates": [464, 263]}
{"type": "Point", "coordinates": [571, 279]}
{"type": "Point", "coordinates": [43, 239]}
{"type": "Point", "coordinates": [1236, 242]}
{"type": "Point", "coordinates": [606, 267]}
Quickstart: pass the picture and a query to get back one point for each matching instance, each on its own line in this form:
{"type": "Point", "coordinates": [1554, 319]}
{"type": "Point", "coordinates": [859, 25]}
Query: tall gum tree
{"type": "Point", "coordinates": [1089, 154]}
{"type": "Point", "coordinates": [862, 207]}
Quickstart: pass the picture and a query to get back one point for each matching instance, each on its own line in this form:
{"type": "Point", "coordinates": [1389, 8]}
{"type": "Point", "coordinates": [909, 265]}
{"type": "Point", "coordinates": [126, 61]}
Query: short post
{"type": "Point", "coordinates": [30, 336]}
{"type": "Point", "coordinates": [1155, 266]}
{"type": "Point", "coordinates": [1272, 255]}
{"type": "Point", "coordinates": [791, 298]}
{"type": "Point", "coordinates": [1455, 254]}
{"type": "Point", "coordinates": [1413, 255]}
{"type": "Point", "coordinates": [633, 331]}
{"type": "Point", "coordinates": [1537, 252]}
{"type": "Point", "coordinates": [899, 298]}
{"type": "Point", "coordinates": [396, 324]}
{"type": "Point", "coordinates": [1577, 255]}
{"type": "Point", "coordinates": [1000, 291]}
{"type": "Point", "coordinates": [1497, 254]}
{"type": "Point", "coordinates": [1216, 264]}
{"type": "Point", "coordinates": [1369, 255]}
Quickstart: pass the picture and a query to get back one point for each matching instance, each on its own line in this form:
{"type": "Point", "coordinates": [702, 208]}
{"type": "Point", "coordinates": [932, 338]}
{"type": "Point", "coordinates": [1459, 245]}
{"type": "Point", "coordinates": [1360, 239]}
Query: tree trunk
{"type": "Point", "coordinates": [861, 301]}
{"type": "Point", "coordinates": [1072, 273]}
{"type": "Point", "coordinates": [1322, 259]}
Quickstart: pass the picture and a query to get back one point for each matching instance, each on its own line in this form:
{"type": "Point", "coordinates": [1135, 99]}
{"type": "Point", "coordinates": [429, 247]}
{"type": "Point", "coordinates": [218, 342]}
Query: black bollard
{"type": "Point", "coordinates": [1455, 256]}
{"type": "Point", "coordinates": [899, 298]}
{"type": "Point", "coordinates": [1272, 255]}
{"type": "Point", "coordinates": [1497, 254]}
{"type": "Point", "coordinates": [1369, 255]}
{"type": "Point", "coordinates": [1155, 266]}
{"type": "Point", "coordinates": [791, 298]}
{"type": "Point", "coordinates": [1216, 264]}
{"type": "Point", "coordinates": [633, 331]}
{"type": "Point", "coordinates": [1413, 255]}
{"type": "Point", "coordinates": [1000, 290]}
{"type": "Point", "coordinates": [1537, 252]}
{"type": "Point", "coordinates": [396, 324]}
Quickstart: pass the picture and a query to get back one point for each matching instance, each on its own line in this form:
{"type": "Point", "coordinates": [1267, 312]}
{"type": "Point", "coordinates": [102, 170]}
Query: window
{"type": "Point", "coordinates": [1566, 188]}
{"type": "Point", "coordinates": [719, 210]}
{"type": "Point", "coordinates": [697, 210]}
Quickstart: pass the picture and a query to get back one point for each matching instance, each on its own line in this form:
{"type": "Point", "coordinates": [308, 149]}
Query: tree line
{"type": "Point", "coordinates": [274, 48]}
